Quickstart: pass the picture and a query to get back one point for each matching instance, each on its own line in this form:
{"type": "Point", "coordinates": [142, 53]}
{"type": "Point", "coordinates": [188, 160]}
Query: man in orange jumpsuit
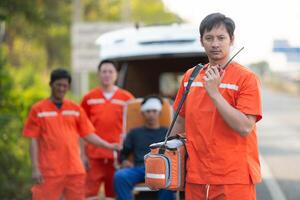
{"type": "Point", "coordinates": [55, 126]}
{"type": "Point", "coordinates": [218, 118]}
{"type": "Point", "coordinates": [104, 107]}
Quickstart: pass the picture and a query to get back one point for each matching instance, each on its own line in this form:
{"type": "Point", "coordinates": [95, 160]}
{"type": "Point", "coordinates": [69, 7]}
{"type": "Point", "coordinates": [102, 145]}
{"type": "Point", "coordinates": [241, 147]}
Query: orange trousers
{"type": "Point", "coordinates": [53, 188]}
{"type": "Point", "coordinates": [219, 192]}
{"type": "Point", "coordinates": [100, 171]}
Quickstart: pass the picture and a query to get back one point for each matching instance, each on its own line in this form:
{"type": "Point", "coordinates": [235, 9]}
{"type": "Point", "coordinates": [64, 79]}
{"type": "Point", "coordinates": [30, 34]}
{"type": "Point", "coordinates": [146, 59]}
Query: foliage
{"type": "Point", "coordinates": [261, 68]}
{"type": "Point", "coordinates": [144, 12]}
{"type": "Point", "coordinates": [14, 104]}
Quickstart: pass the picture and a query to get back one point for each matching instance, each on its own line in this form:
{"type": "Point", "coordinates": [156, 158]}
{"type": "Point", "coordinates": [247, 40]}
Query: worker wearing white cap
{"type": "Point", "coordinates": [137, 143]}
{"type": "Point", "coordinates": [152, 103]}
{"type": "Point", "coordinates": [151, 107]}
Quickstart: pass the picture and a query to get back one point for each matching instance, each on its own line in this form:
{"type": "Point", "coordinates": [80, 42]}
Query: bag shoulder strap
{"type": "Point", "coordinates": [186, 91]}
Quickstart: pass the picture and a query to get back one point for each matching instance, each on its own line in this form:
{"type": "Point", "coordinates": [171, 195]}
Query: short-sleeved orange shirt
{"type": "Point", "coordinates": [58, 132]}
{"type": "Point", "coordinates": [217, 153]}
{"type": "Point", "coordinates": [107, 117]}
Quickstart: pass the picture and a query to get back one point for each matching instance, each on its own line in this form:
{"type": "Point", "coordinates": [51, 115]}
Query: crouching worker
{"type": "Point", "coordinates": [55, 126]}
{"type": "Point", "coordinates": [137, 144]}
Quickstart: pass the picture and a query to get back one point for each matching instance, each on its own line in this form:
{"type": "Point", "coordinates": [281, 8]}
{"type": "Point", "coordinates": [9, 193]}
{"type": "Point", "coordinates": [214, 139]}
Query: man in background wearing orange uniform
{"type": "Point", "coordinates": [218, 118]}
{"type": "Point", "coordinates": [55, 126]}
{"type": "Point", "coordinates": [104, 107]}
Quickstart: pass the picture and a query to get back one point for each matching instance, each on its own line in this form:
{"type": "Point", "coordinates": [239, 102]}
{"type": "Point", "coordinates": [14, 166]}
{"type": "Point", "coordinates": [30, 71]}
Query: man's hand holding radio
{"type": "Point", "coordinates": [212, 80]}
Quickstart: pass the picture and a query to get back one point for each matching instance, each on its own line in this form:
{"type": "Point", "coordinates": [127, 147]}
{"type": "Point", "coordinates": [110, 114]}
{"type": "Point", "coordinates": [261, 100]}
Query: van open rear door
{"type": "Point", "coordinates": [152, 59]}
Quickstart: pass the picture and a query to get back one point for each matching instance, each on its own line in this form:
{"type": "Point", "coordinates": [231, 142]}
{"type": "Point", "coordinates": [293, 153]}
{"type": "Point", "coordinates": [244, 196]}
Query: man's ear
{"type": "Point", "coordinates": [232, 40]}
{"type": "Point", "coordinates": [201, 41]}
{"type": "Point", "coordinates": [69, 86]}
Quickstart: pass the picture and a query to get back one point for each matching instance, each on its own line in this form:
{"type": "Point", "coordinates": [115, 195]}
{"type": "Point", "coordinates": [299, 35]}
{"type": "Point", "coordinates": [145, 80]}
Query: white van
{"type": "Point", "coordinates": [152, 58]}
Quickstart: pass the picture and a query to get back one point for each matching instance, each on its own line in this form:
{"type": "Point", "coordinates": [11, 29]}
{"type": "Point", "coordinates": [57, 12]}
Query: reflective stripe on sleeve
{"type": "Point", "coordinates": [95, 101]}
{"type": "Point", "coordinates": [70, 112]}
{"type": "Point", "coordinates": [222, 85]}
{"type": "Point", "coordinates": [155, 176]}
{"type": "Point", "coordinates": [47, 114]}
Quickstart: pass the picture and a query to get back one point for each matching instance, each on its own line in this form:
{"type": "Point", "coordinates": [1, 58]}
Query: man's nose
{"type": "Point", "coordinates": [62, 88]}
{"type": "Point", "coordinates": [215, 43]}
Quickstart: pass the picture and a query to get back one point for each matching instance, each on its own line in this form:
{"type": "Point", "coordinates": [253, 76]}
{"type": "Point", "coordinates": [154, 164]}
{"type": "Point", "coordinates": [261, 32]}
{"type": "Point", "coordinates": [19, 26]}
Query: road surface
{"type": "Point", "coordinates": [279, 144]}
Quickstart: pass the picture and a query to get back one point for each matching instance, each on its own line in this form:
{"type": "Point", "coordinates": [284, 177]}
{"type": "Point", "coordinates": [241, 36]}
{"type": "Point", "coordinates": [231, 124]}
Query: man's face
{"type": "Point", "coordinates": [217, 44]}
{"type": "Point", "coordinates": [151, 116]}
{"type": "Point", "coordinates": [59, 88]}
{"type": "Point", "coordinates": [107, 74]}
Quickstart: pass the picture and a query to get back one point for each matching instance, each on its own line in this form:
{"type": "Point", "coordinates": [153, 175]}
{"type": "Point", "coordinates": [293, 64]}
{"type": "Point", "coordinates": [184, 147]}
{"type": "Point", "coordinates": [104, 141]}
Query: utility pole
{"type": "Point", "coordinates": [126, 12]}
{"type": "Point", "coordinates": [81, 81]}
{"type": "Point", "coordinates": [77, 12]}
{"type": "Point", "coordinates": [2, 30]}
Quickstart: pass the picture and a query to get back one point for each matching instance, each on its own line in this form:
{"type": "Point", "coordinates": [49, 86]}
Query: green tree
{"type": "Point", "coordinates": [152, 12]}
{"type": "Point", "coordinates": [261, 68]}
{"type": "Point", "coordinates": [38, 25]}
{"type": "Point", "coordinates": [13, 160]}
{"type": "Point", "coordinates": [14, 105]}
{"type": "Point", "coordinates": [144, 12]}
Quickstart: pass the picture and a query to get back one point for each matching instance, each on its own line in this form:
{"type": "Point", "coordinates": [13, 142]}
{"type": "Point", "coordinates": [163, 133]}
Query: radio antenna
{"type": "Point", "coordinates": [232, 58]}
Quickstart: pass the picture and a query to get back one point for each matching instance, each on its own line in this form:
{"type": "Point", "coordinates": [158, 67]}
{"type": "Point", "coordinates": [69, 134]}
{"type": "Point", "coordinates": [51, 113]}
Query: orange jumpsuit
{"type": "Point", "coordinates": [107, 117]}
{"type": "Point", "coordinates": [57, 132]}
{"type": "Point", "coordinates": [218, 156]}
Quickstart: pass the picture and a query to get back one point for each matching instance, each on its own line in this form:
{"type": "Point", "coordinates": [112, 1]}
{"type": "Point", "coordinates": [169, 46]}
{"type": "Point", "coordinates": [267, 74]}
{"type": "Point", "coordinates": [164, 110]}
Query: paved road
{"type": "Point", "coordinates": [279, 143]}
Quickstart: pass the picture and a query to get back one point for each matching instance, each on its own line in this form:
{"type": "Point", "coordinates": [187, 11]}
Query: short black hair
{"type": "Point", "coordinates": [110, 62]}
{"type": "Point", "coordinates": [151, 97]}
{"type": "Point", "coordinates": [60, 73]}
{"type": "Point", "coordinates": [216, 19]}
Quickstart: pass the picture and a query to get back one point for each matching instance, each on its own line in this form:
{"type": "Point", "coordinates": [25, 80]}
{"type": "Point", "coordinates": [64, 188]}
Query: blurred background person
{"type": "Point", "coordinates": [104, 107]}
{"type": "Point", "coordinates": [54, 126]}
{"type": "Point", "coordinates": [137, 143]}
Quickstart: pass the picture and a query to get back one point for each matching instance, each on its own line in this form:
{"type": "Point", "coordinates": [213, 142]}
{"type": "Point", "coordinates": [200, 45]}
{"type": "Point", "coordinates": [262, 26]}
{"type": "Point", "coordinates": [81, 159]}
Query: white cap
{"type": "Point", "coordinates": [151, 104]}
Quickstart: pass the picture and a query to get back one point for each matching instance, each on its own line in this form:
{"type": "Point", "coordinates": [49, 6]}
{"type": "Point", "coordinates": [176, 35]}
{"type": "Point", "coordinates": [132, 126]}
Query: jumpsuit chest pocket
{"type": "Point", "coordinates": [230, 96]}
{"type": "Point", "coordinates": [199, 101]}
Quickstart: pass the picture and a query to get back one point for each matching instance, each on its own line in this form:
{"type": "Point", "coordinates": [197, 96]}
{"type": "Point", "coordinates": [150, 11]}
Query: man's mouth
{"type": "Point", "coordinates": [61, 94]}
{"type": "Point", "coordinates": [106, 80]}
{"type": "Point", "coordinates": [215, 52]}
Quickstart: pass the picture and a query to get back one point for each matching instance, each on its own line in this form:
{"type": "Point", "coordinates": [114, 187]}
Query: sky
{"type": "Point", "coordinates": [258, 23]}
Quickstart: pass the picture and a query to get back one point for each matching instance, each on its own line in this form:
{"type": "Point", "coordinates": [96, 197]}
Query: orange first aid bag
{"type": "Point", "coordinates": [165, 165]}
